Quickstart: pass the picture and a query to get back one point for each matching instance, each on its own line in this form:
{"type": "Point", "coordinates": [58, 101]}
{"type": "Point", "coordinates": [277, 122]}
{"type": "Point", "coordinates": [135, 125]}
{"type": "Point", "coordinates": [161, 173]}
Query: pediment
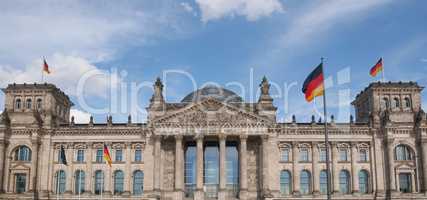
{"type": "Point", "coordinates": [20, 166]}
{"type": "Point", "coordinates": [211, 112]}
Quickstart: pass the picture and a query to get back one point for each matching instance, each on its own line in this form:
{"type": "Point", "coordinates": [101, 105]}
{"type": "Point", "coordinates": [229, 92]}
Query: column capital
{"type": "Point", "coordinates": [199, 138]}
{"type": "Point", "coordinates": [179, 137]}
{"type": "Point", "coordinates": [243, 137]}
{"type": "Point", "coordinates": [264, 137]}
{"type": "Point", "coordinates": [222, 136]}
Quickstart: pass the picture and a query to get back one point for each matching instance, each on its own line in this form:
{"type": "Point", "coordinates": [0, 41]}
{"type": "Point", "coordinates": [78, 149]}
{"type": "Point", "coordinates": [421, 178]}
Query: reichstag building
{"type": "Point", "coordinates": [213, 145]}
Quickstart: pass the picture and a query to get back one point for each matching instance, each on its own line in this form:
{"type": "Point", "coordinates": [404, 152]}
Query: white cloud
{"type": "Point", "coordinates": [187, 7]}
{"type": "Point", "coordinates": [80, 117]}
{"type": "Point", "coordinates": [251, 9]}
{"type": "Point", "coordinates": [66, 71]}
{"type": "Point", "coordinates": [320, 17]}
{"type": "Point", "coordinates": [94, 30]}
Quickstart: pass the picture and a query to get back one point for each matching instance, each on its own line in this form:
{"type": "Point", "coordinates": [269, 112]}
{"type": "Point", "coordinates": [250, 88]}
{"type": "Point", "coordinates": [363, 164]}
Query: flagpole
{"type": "Point", "coordinates": [43, 70]}
{"type": "Point", "coordinates": [102, 180]}
{"type": "Point", "coordinates": [382, 70]}
{"type": "Point", "coordinates": [326, 137]}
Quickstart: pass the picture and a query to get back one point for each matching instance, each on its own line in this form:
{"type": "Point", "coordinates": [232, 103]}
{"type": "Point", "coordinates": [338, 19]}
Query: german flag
{"type": "Point", "coordinates": [107, 156]}
{"type": "Point", "coordinates": [46, 67]}
{"type": "Point", "coordinates": [377, 68]}
{"type": "Point", "coordinates": [313, 84]}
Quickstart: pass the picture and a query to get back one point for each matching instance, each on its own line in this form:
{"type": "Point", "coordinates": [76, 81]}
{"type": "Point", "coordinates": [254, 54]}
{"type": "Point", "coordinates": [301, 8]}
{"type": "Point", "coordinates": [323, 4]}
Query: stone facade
{"type": "Point", "coordinates": [381, 154]}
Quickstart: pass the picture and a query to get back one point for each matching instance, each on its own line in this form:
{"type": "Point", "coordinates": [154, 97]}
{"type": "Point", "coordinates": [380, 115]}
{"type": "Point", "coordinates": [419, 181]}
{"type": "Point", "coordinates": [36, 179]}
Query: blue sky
{"type": "Point", "coordinates": [220, 41]}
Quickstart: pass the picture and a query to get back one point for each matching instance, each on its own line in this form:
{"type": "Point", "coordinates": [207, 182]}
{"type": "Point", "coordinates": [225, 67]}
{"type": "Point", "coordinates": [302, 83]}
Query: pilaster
{"type": "Point", "coordinates": [243, 167]}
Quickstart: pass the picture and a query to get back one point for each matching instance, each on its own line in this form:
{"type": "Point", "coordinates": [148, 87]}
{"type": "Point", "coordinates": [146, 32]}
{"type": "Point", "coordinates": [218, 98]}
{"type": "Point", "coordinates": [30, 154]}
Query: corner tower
{"type": "Point", "coordinates": [396, 101]}
{"type": "Point", "coordinates": [40, 104]}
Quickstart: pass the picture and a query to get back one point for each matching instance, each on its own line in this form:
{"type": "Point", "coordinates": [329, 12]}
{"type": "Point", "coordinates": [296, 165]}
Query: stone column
{"type": "Point", "coordinates": [295, 179]}
{"type": "Point", "coordinates": [34, 163]}
{"type": "Point", "coordinates": [2, 163]}
{"type": "Point", "coordinates": [128, 181]}
{"type": "Point", "coordinates": [390, 159]}
{"type": "Point", "coordinates": [199, 170]}
{"type": "Point", "coordinates": [222, 168]}
{"type": "Point", "coordinates": [6, 164]}
{"type": "Point", "coordinates": [89, 172]}
{"type": "Point", "coordinates": [265, 167]}
{"type": "Point", "coordinates": [157, 162]}
{"type": "Point", "coordinates": [243, 167]}
{"type": "Point", "coordinates": [424, 164]}
{"type": "Point", "coordinates": [354, 171]}
{"type": "Point", "coordinates": [315, 166]}
{"type": "Point", "coordinates": [179, 167]}
{"type": "Point", "coordinates": [335, 170]}
{"type": "Point", "coordinates": [69, 170]}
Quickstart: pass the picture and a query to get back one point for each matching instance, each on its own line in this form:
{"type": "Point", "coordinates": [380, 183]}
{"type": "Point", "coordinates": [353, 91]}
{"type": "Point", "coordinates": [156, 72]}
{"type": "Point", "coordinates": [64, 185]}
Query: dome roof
{"type": "Point", "coordinates": [216, 92]}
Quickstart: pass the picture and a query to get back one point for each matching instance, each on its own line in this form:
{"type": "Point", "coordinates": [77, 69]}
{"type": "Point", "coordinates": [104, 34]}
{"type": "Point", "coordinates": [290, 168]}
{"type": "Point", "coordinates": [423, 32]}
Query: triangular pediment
{"type": "Point", "coordinates": [212, 112]}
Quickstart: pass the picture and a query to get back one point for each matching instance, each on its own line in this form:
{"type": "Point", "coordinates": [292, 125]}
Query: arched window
{"type": "Point", "coordinates": [323, 182]}
{"type": "Point", "coordinates": [403, 152]}
{"type": "Point", "coordinates": [29, 104]}
{"type": "Point", "coordinates": [303, 155]}
{"type": "Point", "coordinates": [344, 182]}
{"type": "Point", "coordinates": [118, 181]}
{"type": "Point", "coordinates": [99, 181]}
{"type": "Point", "coordinates": [138, 182]}
{"type": "Point", "coordinates": [18, 104]}
{"type": "Point", "coordinates": [363, 181]}
{"type": "Point", "coordinates": [305, 180]}
{"type": "Point", "coordinates": [396, 103]}
{"type": "Point", "coordinates": [284, 155]}
{"type": "Point", "coordinates": [407, 102]}
{"type": "Point", "coordinates": [385, 103]}
{"type": "Point", "coordinates": [138, 155]}
{"type": "Point", "coordinates": [39, 104]}
{"type": "Point", "coordinates": [285, 182]}
{"type": "Point", "coordinates": [363, 155]}
{"type": "Point", "coordinates": [23, 153]}
{"type": "Point", "coordinates": [60, 182]}
{"type": "Point", "coordinates": [79, 182]}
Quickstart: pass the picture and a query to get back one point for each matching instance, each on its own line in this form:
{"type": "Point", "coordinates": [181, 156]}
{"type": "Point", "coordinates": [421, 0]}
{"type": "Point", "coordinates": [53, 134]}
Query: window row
{"type": "Point", "coordinates": [99, 155]}
{"type": "Point", "coordinates": [28, 104]}
{"type": "Point", "coordinates": [305, 182]}
{"type": "Point", "coordinates": [98, 182]}
{"type": "Point", "coordinates": [304, 155]}
{"type": "Point", "coordinates": [385, 103]}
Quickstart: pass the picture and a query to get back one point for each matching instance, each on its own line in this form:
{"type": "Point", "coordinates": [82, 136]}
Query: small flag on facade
{"type": "Point", "coordinates": [107, 156]}
{"type": "Point", "coordinates": [45, 67]}
{"type": "Point", "coordinates": [62, 157]}
{"type": "Point", "coordinates": [313, 84]}
{"type": "Point", "coordinates": [377, 68]}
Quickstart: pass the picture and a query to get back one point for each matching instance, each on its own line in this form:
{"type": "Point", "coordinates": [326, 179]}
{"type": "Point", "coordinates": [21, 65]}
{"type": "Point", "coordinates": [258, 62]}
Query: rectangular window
{"type": "Point", "coordinates": [138, 155]}
{"type": "Point", "coordinates": [284, 157]}
{"type": "Point", "coordinates": [322, 155]}
{"type": "Point", "coordinates": [99, 155]}
{"type": "Point", "coordinates": [80, 155]}
{"type": "Point", "coordinates": [303, 156]}
{"type": "Point", "coordinates": [405, 183]}
{"type": "Point", "coordinates": [363, 155]}
{"type": "Point", "coordinates": [119, 155]}
{"type": "Point", "coordinates": [21, 182]}
{"type": "Point", "coordinates": [343, 155]}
